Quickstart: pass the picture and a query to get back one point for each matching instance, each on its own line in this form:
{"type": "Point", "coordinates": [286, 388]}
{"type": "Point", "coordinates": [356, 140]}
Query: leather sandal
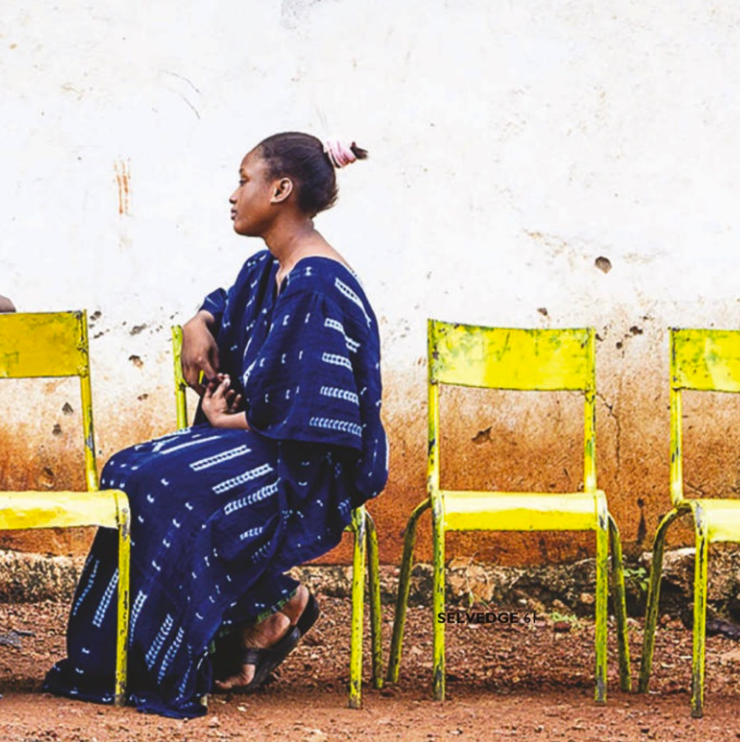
{"type": "Point", "coordinates": [231, 657]}
{"type": "Point", "coordinates": [265, 660]}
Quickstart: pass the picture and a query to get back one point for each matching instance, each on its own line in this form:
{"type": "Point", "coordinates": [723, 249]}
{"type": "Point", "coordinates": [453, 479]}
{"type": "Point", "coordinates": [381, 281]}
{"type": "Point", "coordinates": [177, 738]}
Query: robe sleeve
{"type": "Point", "coordinates": [215, 303]}
{"type": "Point", "coordinates": [302, 385]}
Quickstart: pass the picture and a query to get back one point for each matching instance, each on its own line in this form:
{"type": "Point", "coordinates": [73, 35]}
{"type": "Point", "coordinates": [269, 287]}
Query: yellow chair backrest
{"type": "Point", "coordinates": [701, 360]}
{"type": "Point", "coordinates": [504, 358]}
{"type": "Point", "coordinates": [513, 359]}
{"type": "Point", "coordinates": [51, 344]}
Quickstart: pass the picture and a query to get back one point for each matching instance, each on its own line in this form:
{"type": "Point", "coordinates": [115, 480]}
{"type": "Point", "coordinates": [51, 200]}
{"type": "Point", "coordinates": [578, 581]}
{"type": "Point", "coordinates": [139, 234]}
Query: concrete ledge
{"type": "Point", "coordinates": [30, 578]}
{"type": "Point", "coordinates": [569, 588]}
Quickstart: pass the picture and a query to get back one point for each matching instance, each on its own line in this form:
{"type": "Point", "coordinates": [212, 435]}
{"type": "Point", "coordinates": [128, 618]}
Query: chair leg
{"type": "Point", "coordinates": [399, 621]}
{"type": "Point", "coordinates": [602, 581]}
{"type": "Point", "coordinates": [620, 607]}
{"type": "Point", "coordinates": [358, 606]}
{"type": "Point", "coordinates": [700, 615]}
{"type": "Point", "coordinates": [438, 602]}
{"type": "Point", "coordinates": [376, 615]}
{"type": "Point", "coordinates": [124, 549]}
{"type": "Point", "coordinates": [653, 600]}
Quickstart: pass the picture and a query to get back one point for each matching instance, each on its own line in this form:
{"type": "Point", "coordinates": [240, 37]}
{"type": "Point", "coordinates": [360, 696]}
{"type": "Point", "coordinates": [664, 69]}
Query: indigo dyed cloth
{"type": "Point", "coordinates": [219, 515]}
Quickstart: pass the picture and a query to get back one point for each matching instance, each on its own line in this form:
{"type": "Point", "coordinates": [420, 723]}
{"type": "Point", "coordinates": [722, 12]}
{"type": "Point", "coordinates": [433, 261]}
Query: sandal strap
{"type": "Point", "coordinates": [253, 655]}
{"type": "Point", "coordinates": [309, 616]}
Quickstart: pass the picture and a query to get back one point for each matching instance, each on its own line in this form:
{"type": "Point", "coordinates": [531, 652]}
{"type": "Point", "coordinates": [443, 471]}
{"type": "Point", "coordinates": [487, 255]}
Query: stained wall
{"type": "Point", "coordinates": [532, 164]}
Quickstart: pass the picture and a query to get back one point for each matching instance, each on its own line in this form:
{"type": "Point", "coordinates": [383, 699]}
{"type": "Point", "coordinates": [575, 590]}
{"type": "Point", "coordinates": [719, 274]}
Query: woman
{"type": "Point", "coordinates": [291, 441]}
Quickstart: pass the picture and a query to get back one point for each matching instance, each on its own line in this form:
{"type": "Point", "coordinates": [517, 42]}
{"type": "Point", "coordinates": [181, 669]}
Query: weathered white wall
{"type": "Point", "coordinates": [512, 144]}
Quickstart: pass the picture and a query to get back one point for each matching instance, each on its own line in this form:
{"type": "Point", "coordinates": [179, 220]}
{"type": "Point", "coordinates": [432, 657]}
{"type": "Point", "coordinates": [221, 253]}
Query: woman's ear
{"type": "Point", "coordinates": [281, 189]}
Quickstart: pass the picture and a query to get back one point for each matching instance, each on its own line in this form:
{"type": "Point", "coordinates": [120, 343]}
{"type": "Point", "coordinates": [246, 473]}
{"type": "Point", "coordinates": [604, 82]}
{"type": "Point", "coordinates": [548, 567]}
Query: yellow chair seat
{"type": "Point", "coordinates": [58, 509]}
{"type": "Point", "coordinates": [722, 518]}
{"type": "Point", "coordinates": [520, 511]}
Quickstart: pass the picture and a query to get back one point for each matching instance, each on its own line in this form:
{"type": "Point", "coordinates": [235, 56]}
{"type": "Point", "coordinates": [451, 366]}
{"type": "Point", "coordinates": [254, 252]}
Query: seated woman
{"type": "Point", "coordinates": [291, 442]}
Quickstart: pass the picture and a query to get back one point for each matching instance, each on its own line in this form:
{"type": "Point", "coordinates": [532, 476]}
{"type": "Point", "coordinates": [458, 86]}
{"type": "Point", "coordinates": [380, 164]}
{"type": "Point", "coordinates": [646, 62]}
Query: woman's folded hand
{"type": "Point", "coordinates": [223, 407]}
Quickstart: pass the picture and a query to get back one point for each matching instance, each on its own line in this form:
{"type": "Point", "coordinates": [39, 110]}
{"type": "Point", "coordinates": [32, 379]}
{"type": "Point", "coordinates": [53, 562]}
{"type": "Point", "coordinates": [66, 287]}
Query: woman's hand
{"type": "Point", "coordinates": [199, 351]}
{"type": "Point", "coordinates": [222, 405]}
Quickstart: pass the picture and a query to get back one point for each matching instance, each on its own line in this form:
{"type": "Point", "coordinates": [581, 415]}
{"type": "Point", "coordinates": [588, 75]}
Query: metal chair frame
{"type": "Point", "coordinates": [365, 557]}
{"type": "Point", "coordinates": [700, 360]}
{"type": "Point", "coordinates": [528, 360]}
{"type": "Point", "coordinates": [50, 345]}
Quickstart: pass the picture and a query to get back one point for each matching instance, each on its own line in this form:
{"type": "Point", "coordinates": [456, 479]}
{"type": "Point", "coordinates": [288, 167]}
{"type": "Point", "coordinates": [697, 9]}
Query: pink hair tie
{"type": "Point", "coordinates": [339, 154]}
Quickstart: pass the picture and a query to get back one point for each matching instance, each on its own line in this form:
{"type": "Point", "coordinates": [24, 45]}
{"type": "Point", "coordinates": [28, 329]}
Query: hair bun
{"type": "Point", "coordinates": [360, 153]}
{"type": "Point", "coordinates": [341, 155]}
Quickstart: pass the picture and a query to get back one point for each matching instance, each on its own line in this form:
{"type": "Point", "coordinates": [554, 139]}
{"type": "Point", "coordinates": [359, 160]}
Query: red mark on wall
{"type": "Point", "coordinates": [123, 179]}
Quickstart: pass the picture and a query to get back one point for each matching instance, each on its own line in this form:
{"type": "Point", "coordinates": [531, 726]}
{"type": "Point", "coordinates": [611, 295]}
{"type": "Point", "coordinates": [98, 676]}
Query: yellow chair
{"type": "Point", "coordinates": [55, 345]}
{"type": "Point", "coordinates": [365, 551]}
{"type": "Point", "coordinates": [514, 359]}
{"type": "Point", "coordinates": [701, 360]}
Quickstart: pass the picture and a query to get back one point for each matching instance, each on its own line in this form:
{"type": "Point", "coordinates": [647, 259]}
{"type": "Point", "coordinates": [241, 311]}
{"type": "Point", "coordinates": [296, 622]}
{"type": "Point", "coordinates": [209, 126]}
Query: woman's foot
{"type": "Point", "coordinates": [265, 635]}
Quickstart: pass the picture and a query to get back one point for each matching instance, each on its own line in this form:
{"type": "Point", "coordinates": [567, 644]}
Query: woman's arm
{"type": "Point", "coordinates": [199, 350]}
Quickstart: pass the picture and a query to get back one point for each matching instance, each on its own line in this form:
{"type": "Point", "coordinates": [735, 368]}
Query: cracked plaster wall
{"type": "Point", "coordinates": [539, 164]}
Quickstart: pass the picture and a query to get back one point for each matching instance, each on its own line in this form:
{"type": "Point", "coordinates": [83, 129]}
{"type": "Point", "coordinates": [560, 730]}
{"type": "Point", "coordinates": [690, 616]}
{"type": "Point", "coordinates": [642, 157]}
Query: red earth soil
{"type": "Point", "coordinates": [520, 682]}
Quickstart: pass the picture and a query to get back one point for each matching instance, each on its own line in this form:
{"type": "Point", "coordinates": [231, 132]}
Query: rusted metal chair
{"type": "Point", "coordinates": [528, 360]}
{"type": "Point", "coordinates": [705, 361]}
{"type": "Point", "coordinates": [365, 556]}
{"type": "Point", "coordinates": [55, 344]}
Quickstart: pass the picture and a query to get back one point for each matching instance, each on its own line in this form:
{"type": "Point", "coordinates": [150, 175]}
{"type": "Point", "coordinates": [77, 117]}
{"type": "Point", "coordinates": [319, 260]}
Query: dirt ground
{"type": "Point", "coordinates": [519, 682]}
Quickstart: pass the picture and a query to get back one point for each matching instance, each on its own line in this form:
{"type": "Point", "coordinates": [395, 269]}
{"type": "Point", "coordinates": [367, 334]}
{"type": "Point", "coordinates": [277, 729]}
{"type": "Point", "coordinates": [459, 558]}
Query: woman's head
{"type": "Point", "coordinates": [309, 164]}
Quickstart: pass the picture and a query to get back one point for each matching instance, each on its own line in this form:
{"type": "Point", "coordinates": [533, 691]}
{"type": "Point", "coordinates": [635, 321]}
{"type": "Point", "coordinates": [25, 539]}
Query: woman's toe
{"type": "Point", "coordinates": [242, 678]}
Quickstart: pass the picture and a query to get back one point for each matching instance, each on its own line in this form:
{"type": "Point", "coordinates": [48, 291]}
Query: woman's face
{"type": "Point", "coordinates": [251, 202]}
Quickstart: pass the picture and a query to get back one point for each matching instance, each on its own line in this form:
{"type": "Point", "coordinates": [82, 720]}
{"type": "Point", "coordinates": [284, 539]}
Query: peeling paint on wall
{"type": "Point", "coordinates": [499, 440]}
{"type": "Point", "coordinates": [603, 264]}
{"type": "Point", "coordinates": [123, 180]}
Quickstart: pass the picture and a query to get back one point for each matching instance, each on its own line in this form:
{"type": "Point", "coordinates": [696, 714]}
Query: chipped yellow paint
{"type": "Point", "coordinates": [43, 345]}
{"type": "Point", "coordinates": [22, 510]}
{"type": "Point", "coordinates": [518, 511]}
{"type": "Point", "coordinates": [527, 360]}
{"type": "Point", "coordinates": [181, 386]}
{"type": "Point", "coordinates": [701, 360]}
{"type": "Point", "coordinates": [504, 358]}
{"type": "Point", "coordinates": [705, 360]}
